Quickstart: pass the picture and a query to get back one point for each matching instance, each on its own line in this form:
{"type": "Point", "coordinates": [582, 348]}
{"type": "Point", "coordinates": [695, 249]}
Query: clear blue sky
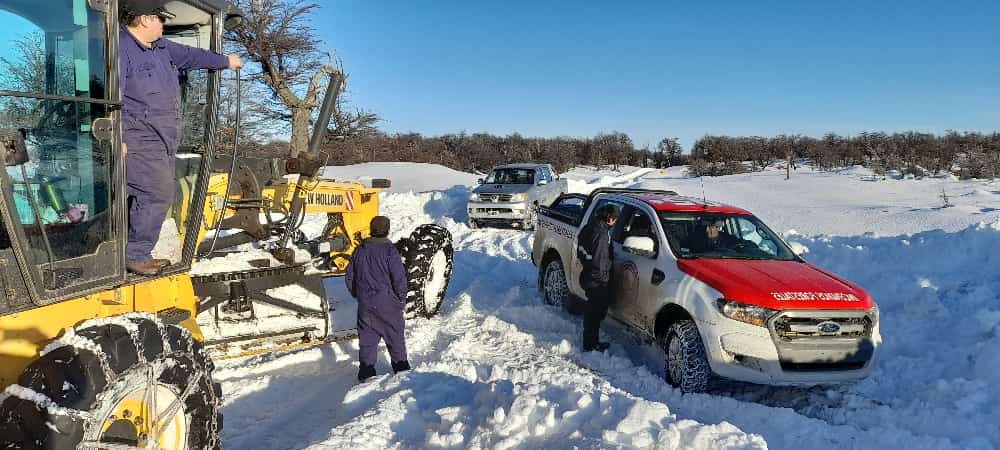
{"type": "Point", "coordinates": [655, 69]}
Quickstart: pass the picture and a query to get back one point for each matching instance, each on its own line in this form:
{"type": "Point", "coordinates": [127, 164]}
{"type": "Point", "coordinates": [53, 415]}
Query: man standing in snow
{"type": "Point", "coordinates": [376, 277]}
{"type": "Point", "coordinates": [594, 250]}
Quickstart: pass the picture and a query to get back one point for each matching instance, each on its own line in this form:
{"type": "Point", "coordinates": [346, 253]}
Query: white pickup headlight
{"type": "Point", "coordinates": [754, 315]}
{"type": "Point", "coordinates": [522, 197]}
{"type": "Point", "coordinates": [474, 197]}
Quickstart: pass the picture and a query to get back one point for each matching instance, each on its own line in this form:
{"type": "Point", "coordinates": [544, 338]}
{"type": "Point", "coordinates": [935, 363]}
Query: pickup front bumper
{"type": "Point", "coordinates": [792, 350]}
{"type": "Point", "coordinates": [498, 211]}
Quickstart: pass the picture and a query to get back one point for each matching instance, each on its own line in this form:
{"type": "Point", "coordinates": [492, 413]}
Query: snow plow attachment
{"type": "Point", "coordinates": [263, 310]}
{"type": "Point", "coordinates": [251, 312]}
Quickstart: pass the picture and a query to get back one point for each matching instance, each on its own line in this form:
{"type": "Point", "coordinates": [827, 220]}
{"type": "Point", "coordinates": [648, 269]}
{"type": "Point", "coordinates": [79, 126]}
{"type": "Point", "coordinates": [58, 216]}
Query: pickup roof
{"type": "Point", "coordinates": [512, 193]}
{"type": "Point", "coordinates": [715, 288]}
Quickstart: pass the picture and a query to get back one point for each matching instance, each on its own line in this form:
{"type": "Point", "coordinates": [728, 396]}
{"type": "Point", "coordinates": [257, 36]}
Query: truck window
{"type": "Point", "coordinates": [737, 236]}
{"type": "Point", "coordinates": [600, 204]}
{"type": "Point", "coordinates": [511, 176]}
{"type": "Point", "coordinates": [634, 222]}
{"type": "Point", "coordinates": [545, 175]}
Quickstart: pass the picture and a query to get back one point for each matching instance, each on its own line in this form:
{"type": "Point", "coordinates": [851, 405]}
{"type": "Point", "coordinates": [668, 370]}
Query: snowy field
{"type": "Point", "coordinates": [498, 369]}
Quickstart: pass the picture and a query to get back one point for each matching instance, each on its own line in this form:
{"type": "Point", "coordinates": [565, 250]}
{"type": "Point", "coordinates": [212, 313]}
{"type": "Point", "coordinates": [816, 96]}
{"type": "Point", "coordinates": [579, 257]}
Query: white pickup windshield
{"type": "Point", "coordinates": [511, 176]}
{"type": "Point", "coordinates": [732, 236]}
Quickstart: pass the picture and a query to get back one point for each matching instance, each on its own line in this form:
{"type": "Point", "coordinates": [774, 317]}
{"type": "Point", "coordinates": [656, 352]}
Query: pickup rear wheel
{"type": "Point", "coordinates": [685, 358]}
{"type": "Point", "coordinates": [555, 290]}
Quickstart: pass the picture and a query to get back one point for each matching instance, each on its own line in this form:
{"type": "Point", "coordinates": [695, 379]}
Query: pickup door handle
{"type": "Point", "coordinates": [658, 277]}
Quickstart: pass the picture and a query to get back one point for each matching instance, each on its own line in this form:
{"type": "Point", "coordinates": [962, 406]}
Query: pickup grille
{"type": "Point", "coordinates": [792, 328]}
{"type": "Point", "coordinates": [494, 197]}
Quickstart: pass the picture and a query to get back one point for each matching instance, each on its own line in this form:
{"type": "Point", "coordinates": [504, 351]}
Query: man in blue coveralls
{"type": "Point", "coordinates": [376, 277]}
{"type": "Point", "coordinates": [151, 121]}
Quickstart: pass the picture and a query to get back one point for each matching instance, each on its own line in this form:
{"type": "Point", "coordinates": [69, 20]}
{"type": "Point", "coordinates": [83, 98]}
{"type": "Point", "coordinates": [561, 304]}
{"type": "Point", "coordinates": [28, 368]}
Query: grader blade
{"type": "Point", "coordinates": [251, 312]}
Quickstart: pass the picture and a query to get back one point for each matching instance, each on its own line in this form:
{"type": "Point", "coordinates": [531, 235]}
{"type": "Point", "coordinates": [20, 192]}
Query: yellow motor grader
{"type": "Point", "coordinates": [90, 355]}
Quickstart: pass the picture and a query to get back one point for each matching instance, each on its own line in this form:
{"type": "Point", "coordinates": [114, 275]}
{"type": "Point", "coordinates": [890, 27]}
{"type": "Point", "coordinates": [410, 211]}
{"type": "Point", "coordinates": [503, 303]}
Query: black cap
{"type": "Point", "coordinates": [147, 8]}
{"type": "Point", "coordinates": [380, 226]}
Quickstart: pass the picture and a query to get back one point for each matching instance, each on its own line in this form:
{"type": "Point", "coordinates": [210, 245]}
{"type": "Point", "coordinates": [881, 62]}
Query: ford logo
{"type": "Point", "coordinates": [828, 327]}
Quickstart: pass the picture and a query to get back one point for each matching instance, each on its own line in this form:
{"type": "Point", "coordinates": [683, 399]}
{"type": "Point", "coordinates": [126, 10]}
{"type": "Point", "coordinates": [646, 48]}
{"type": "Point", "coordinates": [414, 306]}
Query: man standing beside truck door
{"type": "Point", "coordinates": [595, 253]}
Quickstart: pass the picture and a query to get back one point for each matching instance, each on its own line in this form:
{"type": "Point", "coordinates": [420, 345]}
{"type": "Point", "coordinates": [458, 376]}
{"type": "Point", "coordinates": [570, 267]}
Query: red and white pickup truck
{"type": "Point", "coordinates": [721, 293]}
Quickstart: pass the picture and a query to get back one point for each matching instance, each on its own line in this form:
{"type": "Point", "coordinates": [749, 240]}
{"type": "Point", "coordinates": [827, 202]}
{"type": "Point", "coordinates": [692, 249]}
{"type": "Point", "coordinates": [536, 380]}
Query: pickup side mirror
{"type": "Point", "coordinates": [543, 182]}
{"type": "Point", "coordinates": [640, 245]}
{"type": "Point", "coordinates": [480, 181]}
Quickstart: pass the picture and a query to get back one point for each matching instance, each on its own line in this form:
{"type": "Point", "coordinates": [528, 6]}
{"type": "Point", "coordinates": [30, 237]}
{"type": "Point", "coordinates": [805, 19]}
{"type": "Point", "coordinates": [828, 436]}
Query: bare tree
{"type": "Point", "coordinates": [276, 35]}
{"type": "Point", "coordinates": [668, 152]}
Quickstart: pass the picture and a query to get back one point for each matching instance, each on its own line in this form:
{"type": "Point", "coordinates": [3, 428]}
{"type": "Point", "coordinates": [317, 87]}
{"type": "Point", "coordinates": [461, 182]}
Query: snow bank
{"type": "Point", "coordinates": [405, 177]}
{"type": "Point", "coordinates": [843, 203]}
{"type": "Point", "coordinates": [938, 296]}
{"type": "Point", "coordinates": [498, 369]}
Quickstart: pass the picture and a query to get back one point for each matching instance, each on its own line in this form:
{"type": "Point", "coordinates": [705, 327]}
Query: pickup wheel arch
{"type": "Point", "coordinates": [668, 315]}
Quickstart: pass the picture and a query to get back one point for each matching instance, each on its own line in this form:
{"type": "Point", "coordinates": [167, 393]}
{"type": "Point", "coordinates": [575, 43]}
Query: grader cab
{"type": "Point", "coordinates": [90, 355]}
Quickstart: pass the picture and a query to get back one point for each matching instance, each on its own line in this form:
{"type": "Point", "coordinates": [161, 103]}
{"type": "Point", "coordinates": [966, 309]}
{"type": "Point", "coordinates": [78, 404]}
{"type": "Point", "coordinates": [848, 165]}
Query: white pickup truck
{"type": "Point", "coordinates": [512, 193]}
{"type": "Point", "coordinates": [718, 291]}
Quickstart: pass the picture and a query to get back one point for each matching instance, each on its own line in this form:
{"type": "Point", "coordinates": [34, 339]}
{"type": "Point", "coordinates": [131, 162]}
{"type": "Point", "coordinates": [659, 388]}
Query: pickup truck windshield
{"type": "Point", "coordinates": [511, 176]}
{"type": "Point", "coordinates": [722, 236]}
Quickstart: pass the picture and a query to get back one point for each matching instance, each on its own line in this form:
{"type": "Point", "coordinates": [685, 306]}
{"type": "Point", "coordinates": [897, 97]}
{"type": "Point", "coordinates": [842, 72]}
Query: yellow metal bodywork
{"type": "Point", "coordinates": [23, 335]}
{"type": "Point", "coordinates": [356, 203]}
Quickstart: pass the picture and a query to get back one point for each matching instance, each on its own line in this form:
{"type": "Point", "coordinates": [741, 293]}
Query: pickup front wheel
{"type": "Point", "coordinates": [685, 358]}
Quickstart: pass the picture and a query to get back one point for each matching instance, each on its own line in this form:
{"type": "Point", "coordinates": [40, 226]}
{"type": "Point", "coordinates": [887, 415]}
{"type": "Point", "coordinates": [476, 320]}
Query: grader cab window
{"type": "Point", "coordinates": [53, 86]}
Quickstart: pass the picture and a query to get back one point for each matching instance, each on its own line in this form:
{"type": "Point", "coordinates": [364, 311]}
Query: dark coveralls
{"type": "Point", "coordinates": [151, 122]}
{"type": "Point", "coordinates": [376, 277]}
{"type": "Point", "coordinates": [596, 254]}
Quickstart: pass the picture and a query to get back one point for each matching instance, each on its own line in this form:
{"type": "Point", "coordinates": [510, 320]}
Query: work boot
{"type": "Point", "coordinates": [365, 372]}
{"type": "Point", "coordinates": [149, 267]}
{"type": "Point", "coordinates": [162, 262]}
{"type": "Point", "coordinates": [401, 366]}
{"type": "Point", "coordinates": [600, 346]}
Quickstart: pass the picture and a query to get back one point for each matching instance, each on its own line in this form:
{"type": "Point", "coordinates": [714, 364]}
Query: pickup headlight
{"type": "Point", "coordinates": [474, 197]}
{"type": "Point", "coordinates": [874, 312]}
{"type": "Point", "coordinates": [754, 315]}
{"type": "Point", "coordinates": [522, 197]}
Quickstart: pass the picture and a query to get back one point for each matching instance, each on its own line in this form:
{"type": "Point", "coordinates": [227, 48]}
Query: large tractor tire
{"type": "Point", "coordinates": [125, 380]}
{"type": "Point", "coordinates": [428, 257]}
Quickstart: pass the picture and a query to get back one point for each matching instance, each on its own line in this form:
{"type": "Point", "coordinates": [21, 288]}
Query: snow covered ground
{"type": "Point", "coordinates": [497, 369]}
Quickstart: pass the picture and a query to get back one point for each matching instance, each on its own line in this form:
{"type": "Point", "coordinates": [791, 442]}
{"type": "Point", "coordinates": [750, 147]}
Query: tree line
{"type": "Point", "coordinates": [966, 155]}
{"type": "Point", "coordinates": [478, 152]}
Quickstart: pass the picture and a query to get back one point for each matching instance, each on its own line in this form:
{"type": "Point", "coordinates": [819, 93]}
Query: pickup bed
{"type": "Point", "coordinates": [717, 290]}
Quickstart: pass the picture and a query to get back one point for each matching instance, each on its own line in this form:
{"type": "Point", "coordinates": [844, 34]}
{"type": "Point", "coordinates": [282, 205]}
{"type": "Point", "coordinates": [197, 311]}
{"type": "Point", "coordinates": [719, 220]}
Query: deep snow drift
{"type": "Point", "coordinates": [497, 369]}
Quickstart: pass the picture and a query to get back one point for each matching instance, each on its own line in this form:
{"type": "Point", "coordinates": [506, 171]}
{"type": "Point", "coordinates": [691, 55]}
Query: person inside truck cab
{"type": "Point", "coordinates": [710, 236]}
